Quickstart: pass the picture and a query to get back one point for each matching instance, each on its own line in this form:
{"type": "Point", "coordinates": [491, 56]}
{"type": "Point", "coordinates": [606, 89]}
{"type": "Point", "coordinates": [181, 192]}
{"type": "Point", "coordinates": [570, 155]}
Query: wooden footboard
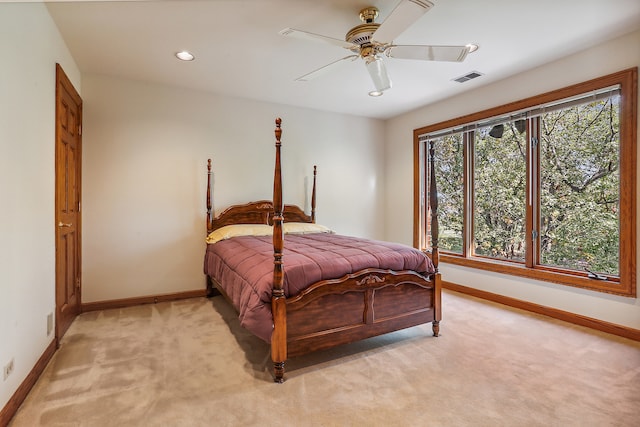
{"type": "Point", "coordinates": [361, 305]}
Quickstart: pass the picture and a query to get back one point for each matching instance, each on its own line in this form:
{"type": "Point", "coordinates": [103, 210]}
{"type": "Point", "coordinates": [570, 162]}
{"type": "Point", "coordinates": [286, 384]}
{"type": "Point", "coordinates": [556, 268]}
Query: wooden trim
{"type": "Point", "coordinates": [417, 187]}
{"type": "Point", "coordinates": [469, 195]}
{"type": "Point", "coordinates": [152, 299]}
{"type": "Point", "coordinates": [9, 410]}
{"type": "Point", "coordinates": [628, 179]}
{"type": "Point", "coordinates": [569, 278]}
{"type": "Point", "coordinates": [565, 316]}
{"type": "Point", "coordinates": [467, 192]}
{"type": "Point", "coordinates": [531, 201]}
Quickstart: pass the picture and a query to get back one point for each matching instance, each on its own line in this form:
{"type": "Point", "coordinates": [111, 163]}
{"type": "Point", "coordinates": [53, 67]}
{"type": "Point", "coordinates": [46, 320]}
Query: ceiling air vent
{"type": "Point", "coordinates": [468, 76]}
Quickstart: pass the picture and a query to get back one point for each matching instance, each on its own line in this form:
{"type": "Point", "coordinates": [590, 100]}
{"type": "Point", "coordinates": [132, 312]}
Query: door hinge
{"type": "Point", "coordinates": [534, 141]}
{"type": "Point", "coordinates": [80, 130]}
{"type": "Point", "coordinates": [534, 234]}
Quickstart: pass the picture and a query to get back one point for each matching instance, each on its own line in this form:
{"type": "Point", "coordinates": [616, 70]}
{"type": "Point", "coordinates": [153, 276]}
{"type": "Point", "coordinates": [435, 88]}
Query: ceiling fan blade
{"type": "Point", "coordinates": [429, 53]}
{"type": "Point", "coordinates": [405, 13]}
{"type": "Point", "coordinates": [378, 73]}
{"type": "Point", "coordinates": [304, 35]}
{"type": "Point", "coordinates": [323, 70]}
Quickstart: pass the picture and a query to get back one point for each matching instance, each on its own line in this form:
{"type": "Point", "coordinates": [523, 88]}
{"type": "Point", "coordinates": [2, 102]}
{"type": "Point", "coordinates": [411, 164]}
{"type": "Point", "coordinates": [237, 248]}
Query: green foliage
{"type": "Point", "coordinates": [449, 152]}
{"type": "Point", "coordinates": [579, 187]}
{"type": "Point", "coordinates": [499, 193]}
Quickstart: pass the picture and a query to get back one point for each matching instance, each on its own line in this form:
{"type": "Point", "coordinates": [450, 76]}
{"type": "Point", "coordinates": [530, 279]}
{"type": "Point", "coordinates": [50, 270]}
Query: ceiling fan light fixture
{"type": "Point", "coordinates": [378, 74]}
{"type": "Point", "coordinates": [185, 55]}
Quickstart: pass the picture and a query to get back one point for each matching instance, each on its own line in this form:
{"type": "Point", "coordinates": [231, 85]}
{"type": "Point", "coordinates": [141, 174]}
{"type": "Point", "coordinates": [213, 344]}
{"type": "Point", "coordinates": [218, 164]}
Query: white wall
{"type": "Point", "coordinates": [609, 57]}
{"type": "Point", "coordinates": [144, 177]}
{"type": "Point", "coordinates": [30, 46]}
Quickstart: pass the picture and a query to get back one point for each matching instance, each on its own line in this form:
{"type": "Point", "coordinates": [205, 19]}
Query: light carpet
{"type": "Point", "coordinates": [189, 363]}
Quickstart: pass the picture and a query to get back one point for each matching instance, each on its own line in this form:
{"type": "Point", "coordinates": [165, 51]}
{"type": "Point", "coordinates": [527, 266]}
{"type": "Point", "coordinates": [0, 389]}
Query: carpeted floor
{"type": "Point", "coordinates": [189, 363]}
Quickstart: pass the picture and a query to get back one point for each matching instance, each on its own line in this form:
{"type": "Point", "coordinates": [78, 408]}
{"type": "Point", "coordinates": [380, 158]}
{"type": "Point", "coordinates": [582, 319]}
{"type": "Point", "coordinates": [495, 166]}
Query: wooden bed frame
{"type": "Point", "coordinates": [364, 304]}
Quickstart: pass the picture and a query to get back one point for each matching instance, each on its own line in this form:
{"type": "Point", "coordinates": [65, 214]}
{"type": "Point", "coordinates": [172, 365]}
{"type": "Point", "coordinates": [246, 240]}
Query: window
{"type": "Point", "coordinates": [579, 186]}
{"type": "Point", "coordinates": [542, 188]}
{"type": "Point", "coordinates": [499, 185]}
{"type": "Point", "coordinates": [449, 151]}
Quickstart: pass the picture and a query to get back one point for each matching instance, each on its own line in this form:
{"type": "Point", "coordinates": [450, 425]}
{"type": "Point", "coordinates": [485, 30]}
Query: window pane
{"type": "Point", "coordinates": [499, 191]}
{"type": "Point", "coordinates": [580, 179]}
{"type": "Point", "coordinates": [449, 151]}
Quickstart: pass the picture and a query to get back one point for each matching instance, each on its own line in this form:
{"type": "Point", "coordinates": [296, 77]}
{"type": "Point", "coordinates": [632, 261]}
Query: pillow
{"type": "Point", "coordinates": [304, 228]}
{"type": "Point", "coordinates": [229, 231]}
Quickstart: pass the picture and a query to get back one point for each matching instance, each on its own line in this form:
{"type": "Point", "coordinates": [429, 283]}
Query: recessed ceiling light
{"type": "Point", "coordinates": [185, 56]}
{"type": "Point", "coordinates": [376, 93]}
{"type": "Point", "coordinates": [472, 47]}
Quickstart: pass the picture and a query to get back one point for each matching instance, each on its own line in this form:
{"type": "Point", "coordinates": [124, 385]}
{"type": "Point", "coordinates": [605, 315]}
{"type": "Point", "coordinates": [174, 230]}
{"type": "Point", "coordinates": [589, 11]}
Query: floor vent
{"type": "Point", "coordinates": [468, 76]}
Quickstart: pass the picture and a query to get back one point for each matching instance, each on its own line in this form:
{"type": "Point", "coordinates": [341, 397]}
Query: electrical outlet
{"type": "Point", "coordinates": [49, 323]}
{"type": "Point", "coordinates": [8, 369]}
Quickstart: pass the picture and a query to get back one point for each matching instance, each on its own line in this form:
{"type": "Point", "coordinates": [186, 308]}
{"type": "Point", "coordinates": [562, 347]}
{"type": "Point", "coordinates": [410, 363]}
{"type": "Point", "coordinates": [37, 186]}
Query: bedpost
{"type": "Point", "coordinates": [435, 255]}
{"type": "Point", "coordinates": [209, 215]}
{"type": "Point", "coordinates": [278, 301]}
{"type": "Point", "coordinates": [313, 195]}
{"type": "Point", "coordinates": [433, 202]}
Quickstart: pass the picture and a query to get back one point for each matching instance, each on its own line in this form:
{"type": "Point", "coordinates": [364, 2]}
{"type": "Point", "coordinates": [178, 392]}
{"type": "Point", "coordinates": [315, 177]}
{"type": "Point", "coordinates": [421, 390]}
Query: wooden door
{"type": "Point", "coordinates": [67, 218]}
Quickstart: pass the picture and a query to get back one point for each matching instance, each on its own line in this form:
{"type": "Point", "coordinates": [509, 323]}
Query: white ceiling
{"type": "Point", "coordinates": [240, 53]}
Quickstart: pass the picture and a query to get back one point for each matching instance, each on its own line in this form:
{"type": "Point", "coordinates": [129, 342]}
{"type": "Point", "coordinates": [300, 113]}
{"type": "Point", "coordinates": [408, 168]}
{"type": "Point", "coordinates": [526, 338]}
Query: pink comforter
{"type": "Point", "coordinates": [243, 266]}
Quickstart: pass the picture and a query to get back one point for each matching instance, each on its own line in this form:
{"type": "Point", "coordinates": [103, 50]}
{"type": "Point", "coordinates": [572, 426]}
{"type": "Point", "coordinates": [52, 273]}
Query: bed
{"type": "Point", "coordinates": [302, 288]}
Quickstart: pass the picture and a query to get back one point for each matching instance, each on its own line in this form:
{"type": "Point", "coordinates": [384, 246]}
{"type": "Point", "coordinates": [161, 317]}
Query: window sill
{"type": "Point", "coordinates": [540, 273]}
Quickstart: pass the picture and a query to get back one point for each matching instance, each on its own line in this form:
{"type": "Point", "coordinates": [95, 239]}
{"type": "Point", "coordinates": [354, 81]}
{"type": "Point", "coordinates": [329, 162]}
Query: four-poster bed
{"type": "Point", "coordinates": [291, 291]}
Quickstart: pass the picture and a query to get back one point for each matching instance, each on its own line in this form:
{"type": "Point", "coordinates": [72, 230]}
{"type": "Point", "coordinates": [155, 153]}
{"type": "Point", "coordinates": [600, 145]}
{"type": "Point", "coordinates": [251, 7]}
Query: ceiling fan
{"type": "Point", "coordinates": [371, 40]}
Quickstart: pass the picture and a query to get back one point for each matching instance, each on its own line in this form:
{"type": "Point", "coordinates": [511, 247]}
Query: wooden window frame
{"type": "Point", "coordinates": [625, 283]}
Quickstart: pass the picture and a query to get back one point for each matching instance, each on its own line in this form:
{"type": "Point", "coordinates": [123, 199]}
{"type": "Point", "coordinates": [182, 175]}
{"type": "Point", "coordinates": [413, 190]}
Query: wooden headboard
{"type": "Point", "coordinates": [260, 212]}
